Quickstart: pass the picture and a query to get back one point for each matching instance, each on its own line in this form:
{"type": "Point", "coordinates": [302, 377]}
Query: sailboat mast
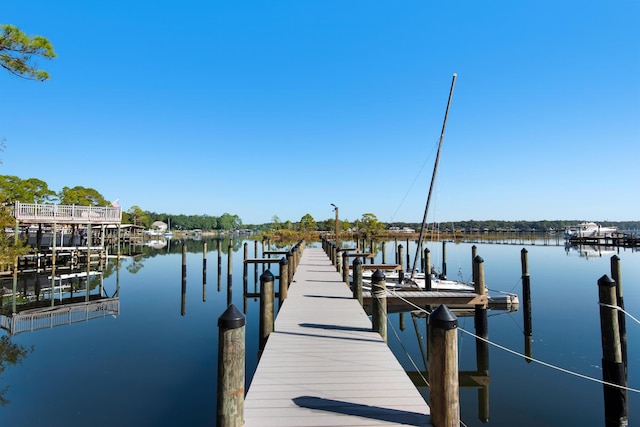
{"type": "Point", "coordinates": [433, 178]}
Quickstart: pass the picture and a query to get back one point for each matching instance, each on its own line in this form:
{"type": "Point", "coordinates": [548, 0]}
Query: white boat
{"type": "Point", "coordinates": [392, 280]}
{"type": "Point", "coordinates": [589, 229]}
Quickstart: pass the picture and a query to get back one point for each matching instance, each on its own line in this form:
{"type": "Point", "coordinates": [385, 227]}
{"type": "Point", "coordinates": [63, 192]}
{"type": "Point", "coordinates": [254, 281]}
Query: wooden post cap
{"type": "Point", "coordinates": [377, 276]}
{"type": "Point", "coordinates": [443, 318]}
{"type": "Point", "coordinates": [232, 318]}
{"type": "Point", "coordinates": [478, 259]}
{"type": "Point", "coordinates": [283, 261]}
{"type": "Point", "coordinates": [357, 260]}
{"type": "Point", "coordinates": [267, 276]}
{"type": "Point", "coordinates": [606, 281]}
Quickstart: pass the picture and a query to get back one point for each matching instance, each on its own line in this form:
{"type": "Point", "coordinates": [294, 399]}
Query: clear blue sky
{"type": "Point", "coordinates": [263, 108]}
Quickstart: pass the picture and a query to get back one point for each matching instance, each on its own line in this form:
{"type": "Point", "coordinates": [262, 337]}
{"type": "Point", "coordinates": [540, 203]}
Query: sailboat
{"type": "Point", "coordinates": [431, 280]}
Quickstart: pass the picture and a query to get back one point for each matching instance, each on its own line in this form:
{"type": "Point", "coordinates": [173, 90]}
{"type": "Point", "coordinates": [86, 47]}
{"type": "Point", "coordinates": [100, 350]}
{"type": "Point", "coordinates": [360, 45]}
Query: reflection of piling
{"type": "Point", "coordinates": [204, 272]}
{"type": "Point", "coordinates": [229, 272]}
{"type": "Point", "coordinates": [443, 367]}
{"type": "Point", "coordinates": [379, 303]}
{"type": "Point", "coordinates": [615, 404]}
{"type": "Point", "coordinates": [481, 324]}
{"type": "Point", "coordinates": [526, 312]}
{"type": "Point", "coordinates": [357, 280]}
{"type": "Point", "coordinates": [266, 308]}
{"type": "Point", "coordinates": [231, 367]}
{"type": "Point", "coordinates": [284, 280]}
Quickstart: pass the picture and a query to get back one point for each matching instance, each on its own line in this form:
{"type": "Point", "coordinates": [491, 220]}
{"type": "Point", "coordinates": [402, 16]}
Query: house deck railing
{"type": "Point", "coordinates": [66, 214]}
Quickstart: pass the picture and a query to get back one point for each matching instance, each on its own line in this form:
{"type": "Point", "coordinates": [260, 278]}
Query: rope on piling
{"type": "Point", "coordinates": [548, 365]}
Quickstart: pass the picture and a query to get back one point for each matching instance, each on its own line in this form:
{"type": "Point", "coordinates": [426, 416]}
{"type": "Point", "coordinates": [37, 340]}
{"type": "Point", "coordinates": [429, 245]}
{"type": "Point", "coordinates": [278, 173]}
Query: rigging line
{"type": "Point", "coordinates": [620, 309]}
{"type": "Point", "coordinates": [406, 352]}
{"type": "Point", "coordinates": [411, 186]}
{"type": "Point", "coordinates": [549, 365]}
{"type": "Point", "coordinates": [536, 360]}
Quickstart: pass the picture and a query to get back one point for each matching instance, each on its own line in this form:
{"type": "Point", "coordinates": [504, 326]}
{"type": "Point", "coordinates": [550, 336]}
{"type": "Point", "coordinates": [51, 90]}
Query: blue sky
{"type": "Point", "coordinates": [263, 108]}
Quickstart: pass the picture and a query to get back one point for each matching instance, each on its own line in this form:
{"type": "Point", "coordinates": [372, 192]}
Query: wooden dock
{"type": "Point", "coordinates": [324, 366]}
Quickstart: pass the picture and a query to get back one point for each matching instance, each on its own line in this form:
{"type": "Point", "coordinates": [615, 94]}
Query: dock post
{"type": "Point", "coordinates": [478, 275]}
{"type": "Point", "coordinates": [615, 402]}
{"type": "Point", "coordinates": [384, 252]}
{"type": "Point", "coordinates": [204, 272]}
{"type": "Point", "coordinates": [266, 307]}
{"type": "Point", "coordinates": [284, 280]}
{"type": "Point", "coordinates": [231, 355]}
{"type": "Point", "coordinates": [292, 267]}
{"type": "Point", "coordinates": [219, 250]}
{"type": "Point", "coordinates": [443, 368]}
{"type": "Point", "coordinates": [401, 262]}
{"type": "Point", "coordinates": [526, 296]}
{"type": "Point", "coordinates": [339, 255]}
{"type": "Point", "coordinates": [427, 269]}
{"type": "Point", "coordinates": [379, 303]}
{"type": "Point", "coordinates": [345, 267]}
{"type": "Point", "coordinates": [229, 272]}
{"type": "Point", "coordinates": [183, 293]}
{"type": "Point", "coordinates": [357, 280]}
{"type": "Point", "coordinates": [474, 253]}
{"type": "Point", "coordinates": [444, 259]}
{"type": "Point", "coordinates": [622, 323]}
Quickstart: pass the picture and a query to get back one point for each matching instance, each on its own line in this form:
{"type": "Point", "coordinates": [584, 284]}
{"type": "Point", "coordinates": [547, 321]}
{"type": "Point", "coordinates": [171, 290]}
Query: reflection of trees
{"type": "Point", "coordinates": [135, 266]}
{"type": "Point", "coordinates": [10, 354]}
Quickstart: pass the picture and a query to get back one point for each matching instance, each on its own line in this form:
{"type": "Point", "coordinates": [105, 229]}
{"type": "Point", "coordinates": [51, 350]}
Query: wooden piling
{"type": "Point", "coordinates": [384, 252]}
{"type": "Point", "coordinates": [266, 308]}
{"type": "Point", "coordinates": [231, 368]}
{"type": "Point", "coordinates": [427, 269]}
{"type": "Point", "coordinates": [284, 280]}
{"type": "Point", "coordinates": [229, 272]}
{"type": "Point", "coordinates": [204, 271]}
{"type": "Point", "coordinates": [444, 259]}
{"type": "Point", "coordinates": [615, 404]}
{"type": "Point", "coordinates": [357, 280]}
{"type": "Point", "coordinates": [183, 293]}
{"type": "Point", "coordinates": [443, 368]}
{"type": "Point", "coordinates": [526, 292]}
{"type": "Point", "coordinates": [379, 303]}
{"type": "Point", "coordinates": [616, 275]}
{"type": "Point", "coordinates": [345, 269]}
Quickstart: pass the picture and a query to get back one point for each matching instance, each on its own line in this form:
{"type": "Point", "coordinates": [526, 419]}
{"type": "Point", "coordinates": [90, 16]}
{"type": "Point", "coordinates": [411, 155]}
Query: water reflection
{"type": "Point", "coordinates": [10, 354]}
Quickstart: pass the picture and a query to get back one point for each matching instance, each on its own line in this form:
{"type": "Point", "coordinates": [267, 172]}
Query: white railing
{"type": "Point", "coordinates": [57, 316]}
{"type": "Point", "coordinates": [32, 212]}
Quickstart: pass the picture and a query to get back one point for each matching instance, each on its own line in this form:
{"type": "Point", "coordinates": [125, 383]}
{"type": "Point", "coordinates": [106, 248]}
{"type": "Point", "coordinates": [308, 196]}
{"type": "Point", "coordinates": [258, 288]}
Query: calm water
{"type": "Point", "coordinates": [154, 363]}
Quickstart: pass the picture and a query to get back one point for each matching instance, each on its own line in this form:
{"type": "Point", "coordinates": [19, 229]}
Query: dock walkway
{"type": "Point", "coordinates": [324, 366]}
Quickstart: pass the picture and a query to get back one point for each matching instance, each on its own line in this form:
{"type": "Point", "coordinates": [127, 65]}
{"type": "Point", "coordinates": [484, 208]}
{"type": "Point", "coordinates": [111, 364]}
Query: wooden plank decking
{"type": "Point", "coordinates": [323, 366]}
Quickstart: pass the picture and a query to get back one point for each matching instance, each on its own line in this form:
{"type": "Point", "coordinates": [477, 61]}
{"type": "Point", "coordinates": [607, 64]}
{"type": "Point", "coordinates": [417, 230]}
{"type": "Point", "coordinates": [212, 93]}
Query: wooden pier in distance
{"type": "Point", "coordinates": [323, 364]}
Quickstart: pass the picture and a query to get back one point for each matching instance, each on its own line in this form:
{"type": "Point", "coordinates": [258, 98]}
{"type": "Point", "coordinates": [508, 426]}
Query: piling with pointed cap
{"type": "Point", "coordinates": [615, 404]}
{"type": "Point", "coordinates": [443, 368]}
{"type": "Point", "coordinates": [284, 279]}
{"type": "Point", "coordinates": [266, 307]}
{"type": "Point", "coordinates": [379, 303]}
{"type": "Point", "coordinates": [356, 286]}
{"type": "Point", "coordinates": [231, 368]}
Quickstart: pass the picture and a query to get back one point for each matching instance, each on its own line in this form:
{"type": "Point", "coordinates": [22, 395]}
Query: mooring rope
{"type": "Point", "coordinates": [548, 365]}
{"type": "Point", "coordinates": [381, 292]}
{"type": "Point", "coordinates": [615, 307]}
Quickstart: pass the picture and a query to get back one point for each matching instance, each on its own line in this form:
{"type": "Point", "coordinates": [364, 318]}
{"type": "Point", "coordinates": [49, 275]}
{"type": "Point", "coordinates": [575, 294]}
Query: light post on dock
{"type": "Point", "coordinates": [335, 208]}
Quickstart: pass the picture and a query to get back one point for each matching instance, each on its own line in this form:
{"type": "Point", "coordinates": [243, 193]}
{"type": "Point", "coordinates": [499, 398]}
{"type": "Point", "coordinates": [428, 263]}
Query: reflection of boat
{"type": "Point", "coordinates": [156, 243]}
{"type": "Point", "coordinates": [589, 229]}
{"type": "Point", "coordinates": [590, 251]}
